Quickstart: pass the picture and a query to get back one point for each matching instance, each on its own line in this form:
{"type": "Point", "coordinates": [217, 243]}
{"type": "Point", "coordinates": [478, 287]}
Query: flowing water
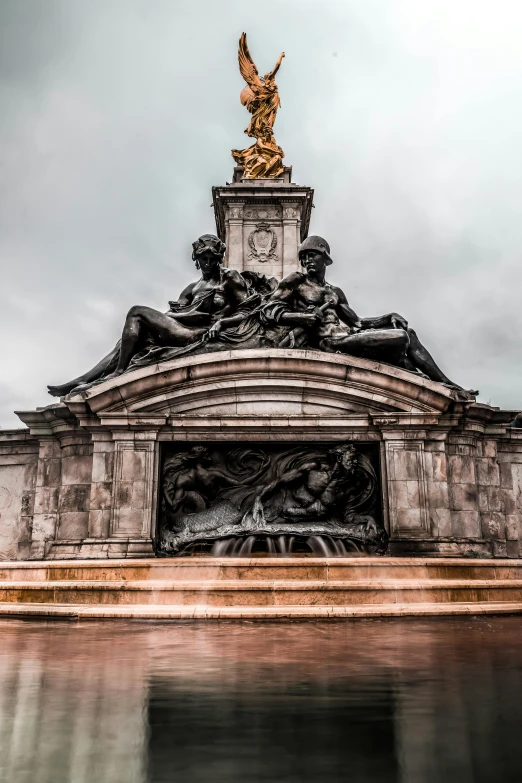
{"type": "Point", "coordinates": [246, 546]}
{"type": "Point", "coordinates": [366, 700]}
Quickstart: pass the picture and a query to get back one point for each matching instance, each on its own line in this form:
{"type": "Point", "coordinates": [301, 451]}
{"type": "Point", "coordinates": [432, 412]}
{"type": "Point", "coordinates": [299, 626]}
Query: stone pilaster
{"type": "Point", "coordinates": [436, 464]}
{"type": "Point", "coordinates": [101, 486]}
{"type": "Point", "coordinates": [235, 254]}
{"type": "Point", "coordinates": [492, 518]}
{"type": "Point", "coordinates": [75, 487]}
{"type": "Point", "coordinates": [291, 238]}
{"type": "Point", "coordinates": [133, 485]}
{"type": "Point", "coordinates": [18, 469]}
{"type": "Point", "coordinates": [407, 487]}
{"type": "Point", "coordinates": [510, 474]}
{"type": "Point", "coordinates": [463, 492]}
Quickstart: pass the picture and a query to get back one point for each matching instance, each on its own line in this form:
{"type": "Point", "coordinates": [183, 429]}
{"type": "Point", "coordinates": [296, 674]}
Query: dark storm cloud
{"type": "Point", "coordinates": [118, 117]}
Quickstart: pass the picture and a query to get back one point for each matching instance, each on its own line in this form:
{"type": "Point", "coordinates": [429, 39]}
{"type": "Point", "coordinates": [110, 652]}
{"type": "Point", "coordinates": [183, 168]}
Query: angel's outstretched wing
{"type": "Point", "coordinates": [247, 66]}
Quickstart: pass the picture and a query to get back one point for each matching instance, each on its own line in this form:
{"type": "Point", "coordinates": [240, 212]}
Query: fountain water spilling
{"type": "Point", "coordinates": [322, 546]}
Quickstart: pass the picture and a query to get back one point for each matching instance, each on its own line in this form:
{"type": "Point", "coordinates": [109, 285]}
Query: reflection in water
{"type": "Point", "coordinates": [389, 700]}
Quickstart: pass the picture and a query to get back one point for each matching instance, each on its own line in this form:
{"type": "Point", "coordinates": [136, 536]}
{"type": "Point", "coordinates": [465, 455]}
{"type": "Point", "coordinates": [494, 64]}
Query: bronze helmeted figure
{"type": "Point", "coordinates": [321, 318]}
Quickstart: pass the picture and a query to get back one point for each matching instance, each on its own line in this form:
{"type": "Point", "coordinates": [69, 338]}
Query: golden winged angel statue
{"type": "Point", "coordinates": [261, 98]}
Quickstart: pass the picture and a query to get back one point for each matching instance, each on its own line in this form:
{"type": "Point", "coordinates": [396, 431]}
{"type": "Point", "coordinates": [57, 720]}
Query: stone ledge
{"type": "Point", "coordinates": [376, 386]}
{"type": "Point", "coordinates": [137, 612]}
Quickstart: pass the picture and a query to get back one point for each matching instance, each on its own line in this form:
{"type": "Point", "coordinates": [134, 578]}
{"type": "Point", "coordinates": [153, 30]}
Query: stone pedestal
{"type": "Point", "coordinates": [82, 482]}
{"type": "Point", "coordinates": [263, 222]}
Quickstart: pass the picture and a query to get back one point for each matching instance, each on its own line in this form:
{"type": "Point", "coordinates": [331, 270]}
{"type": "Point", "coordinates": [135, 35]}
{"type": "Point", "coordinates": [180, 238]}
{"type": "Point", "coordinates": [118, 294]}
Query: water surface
{"type": "Point", "coordinates": [365, 700]}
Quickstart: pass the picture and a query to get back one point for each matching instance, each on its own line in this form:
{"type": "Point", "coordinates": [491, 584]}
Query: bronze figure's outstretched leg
{"type": "Point", "coordinates": [142, 321]}
{"type": "Point", "coordinates": [197, 309]}
{"type": "Point", "coordinates": [422, 360]}
{"type": "Point", "coordinates": [305, 301]}
{"type": "Point", "coordinates": [92, 375]}
{"type": "Point", "coordinates": [517, 422]}
{"type": "Point", "coordinates": [387, 345]}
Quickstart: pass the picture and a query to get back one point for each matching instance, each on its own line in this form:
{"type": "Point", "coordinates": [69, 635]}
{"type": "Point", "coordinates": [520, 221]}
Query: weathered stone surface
{"type": "Point", "coordinates": [99, 522]}
{"type": "Point", "coordinates": [466, 524]}
{"type": "Point", "coordinates": [462, 469]}
{"type": "Point", "coordinates": [17, 488]}
{"type": "Point", "coordinates": [438, 495]}
{"type": "Point", "coordinates": [463, 497]}
{"type": "Point", "coordinates": [506, 475]}
{"type": "Point", "coordinates": [487, 472]}
{"type": "Point", "coordinates": [73, 524]}
{"type": "Point", "coordinates": [440, 521]}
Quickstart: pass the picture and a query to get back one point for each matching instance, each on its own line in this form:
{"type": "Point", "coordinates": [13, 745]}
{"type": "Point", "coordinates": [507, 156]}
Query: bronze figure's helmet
{"type": "Point", "coordinates": [318, 244]}
{"type": "Point", "coordinates": [208, 242]}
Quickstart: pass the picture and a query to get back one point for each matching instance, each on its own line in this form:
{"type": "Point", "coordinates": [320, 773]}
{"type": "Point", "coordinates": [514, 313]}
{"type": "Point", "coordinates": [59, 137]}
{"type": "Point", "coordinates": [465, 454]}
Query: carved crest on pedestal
{"type": "Point", "coordinates": [262, 242]}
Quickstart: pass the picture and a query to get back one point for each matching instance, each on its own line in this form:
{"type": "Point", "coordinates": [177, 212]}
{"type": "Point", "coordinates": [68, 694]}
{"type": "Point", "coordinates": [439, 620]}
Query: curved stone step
{"type": "Point", "coordinates": [263, 592]}
{"type": "Point", "coordinates": [262, 588]}
{"type": "Point", "coordinates": [289, 612]}
{"type": "Point", "coordinates": [305, 568]}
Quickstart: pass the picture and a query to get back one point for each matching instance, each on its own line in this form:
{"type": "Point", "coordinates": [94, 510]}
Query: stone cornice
{"type": "Point", "coordinates": [254, 194]}
{"type": "Point", "coordinates": [284, 393]}
{"type": "Point", "coordinates": [267, 382]}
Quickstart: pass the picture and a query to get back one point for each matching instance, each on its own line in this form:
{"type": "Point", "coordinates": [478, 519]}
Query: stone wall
{"type": "Point", "coordinates": [18, 474]}
{"type": "Point", "coordinates": [473, 498]}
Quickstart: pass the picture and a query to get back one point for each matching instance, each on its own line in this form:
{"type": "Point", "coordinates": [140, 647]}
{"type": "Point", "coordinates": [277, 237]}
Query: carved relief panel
{"type": "Point", "coordinates": [262, 213]}
{"type": "Point", "coordinates": [239, 498]}
{"type": "Point", "coordinates": [235, 212]}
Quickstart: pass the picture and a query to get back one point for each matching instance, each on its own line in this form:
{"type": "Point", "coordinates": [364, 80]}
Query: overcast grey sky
{"type": "Point", "coordinates": [117, 117]}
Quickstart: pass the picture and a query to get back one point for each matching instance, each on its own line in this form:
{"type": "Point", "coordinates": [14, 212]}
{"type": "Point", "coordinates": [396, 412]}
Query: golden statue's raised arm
{"type": "Point", "coordinates": [277, 66]}
{"type": "Point", "coordinates": [261, 97]}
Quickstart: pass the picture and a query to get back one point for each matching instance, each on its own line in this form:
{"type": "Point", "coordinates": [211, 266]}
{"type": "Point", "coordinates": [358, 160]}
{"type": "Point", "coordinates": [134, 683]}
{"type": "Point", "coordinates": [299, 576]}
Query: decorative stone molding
{"type": "Point", "coordinates": [262, 214]}
{"type": "Point", "coordinates": [274, 382]}
{"type": "Point", "coordinates": [236, 212]}
{"type": "Point", "coordinates": [262, 242]}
